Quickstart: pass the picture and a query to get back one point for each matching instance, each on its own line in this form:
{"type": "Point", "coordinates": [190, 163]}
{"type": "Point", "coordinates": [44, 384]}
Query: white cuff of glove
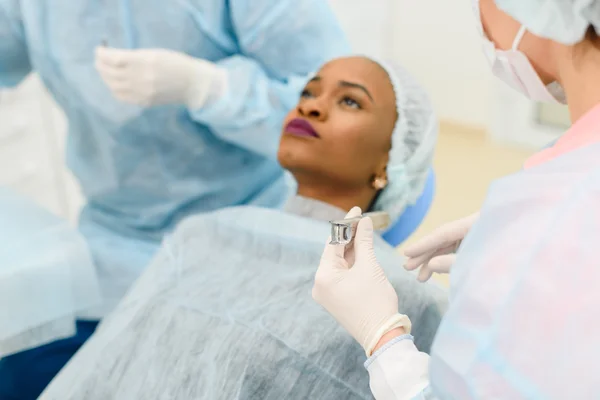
{"type": "Point", "coordinates": [396, 321]}
{"type": "Point", "coordinates": [208, 84]}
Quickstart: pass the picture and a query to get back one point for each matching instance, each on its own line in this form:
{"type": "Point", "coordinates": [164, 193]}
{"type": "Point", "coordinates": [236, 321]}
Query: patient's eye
{"type": "Point", "coordinates": [306, 93]}
{"type": "Point", "coordinates": [350, 102]}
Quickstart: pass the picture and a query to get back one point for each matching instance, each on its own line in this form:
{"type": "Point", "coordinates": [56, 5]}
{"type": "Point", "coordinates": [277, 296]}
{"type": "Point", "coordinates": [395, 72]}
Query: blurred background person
{"type": "Point", "coordinates": [172, 110]}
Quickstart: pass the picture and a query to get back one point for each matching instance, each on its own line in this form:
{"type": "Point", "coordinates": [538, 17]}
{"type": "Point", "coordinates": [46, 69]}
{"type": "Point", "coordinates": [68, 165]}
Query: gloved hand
{"type": "Point", "coordinates": [158, 77]}
{"type": "Point", "coordinates": [353, 288]}
{"type": "Point", "coordinates": [435, 252]}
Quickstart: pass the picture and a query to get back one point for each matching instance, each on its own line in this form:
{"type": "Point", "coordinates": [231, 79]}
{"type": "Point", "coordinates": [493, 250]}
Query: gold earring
{"type": "Point", "coordinates": [380, 183]}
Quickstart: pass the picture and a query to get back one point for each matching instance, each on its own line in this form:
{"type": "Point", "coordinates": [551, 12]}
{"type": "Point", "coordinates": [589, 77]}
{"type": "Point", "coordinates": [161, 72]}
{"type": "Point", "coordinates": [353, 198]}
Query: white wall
{"type": "Point", "coordinates": [368, 24]}
{"type": "Point", "coordinates": [30, 151]}
{"type": "Point", "coordinates": [437, 41]}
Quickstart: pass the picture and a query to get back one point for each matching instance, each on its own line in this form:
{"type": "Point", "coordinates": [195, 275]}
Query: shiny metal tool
{"type": "Point", "coordinates": [343, 230]}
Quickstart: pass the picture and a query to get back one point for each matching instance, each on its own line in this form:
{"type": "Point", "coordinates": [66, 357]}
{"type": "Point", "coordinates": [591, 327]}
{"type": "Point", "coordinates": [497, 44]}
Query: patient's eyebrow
{"type": "Point", "coordinates": [357, 86]}
{"type": "Point", "coordinates": [347, 84]}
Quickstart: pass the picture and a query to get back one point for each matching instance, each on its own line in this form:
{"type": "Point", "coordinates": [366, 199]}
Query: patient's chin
{"type": "Point", "coordinates": [292, 156]}
{"type": "Point", "coordinates": [299, 167]}
{"type": "Point", "coordinates": [288, 160]}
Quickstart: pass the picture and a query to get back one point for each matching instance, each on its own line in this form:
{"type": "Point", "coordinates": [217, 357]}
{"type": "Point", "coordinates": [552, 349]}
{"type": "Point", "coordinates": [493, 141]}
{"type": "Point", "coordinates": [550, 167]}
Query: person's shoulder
{"type": "Point", "coordinates": [577, 212]}
{"type": "Point", "coordinates": [565, 187]}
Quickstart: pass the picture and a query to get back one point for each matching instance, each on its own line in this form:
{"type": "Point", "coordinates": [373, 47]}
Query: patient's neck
{"type": "Point", "coordinates": [343, 198]}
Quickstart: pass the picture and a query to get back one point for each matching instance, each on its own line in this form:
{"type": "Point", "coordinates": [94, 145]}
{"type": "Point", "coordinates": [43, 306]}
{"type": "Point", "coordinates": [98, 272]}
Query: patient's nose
{"type": "Point", "coordinates": [313, 108]}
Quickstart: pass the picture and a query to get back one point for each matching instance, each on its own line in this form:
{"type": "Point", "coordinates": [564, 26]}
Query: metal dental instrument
{"type": "Point", "coordinates": [343, 230]}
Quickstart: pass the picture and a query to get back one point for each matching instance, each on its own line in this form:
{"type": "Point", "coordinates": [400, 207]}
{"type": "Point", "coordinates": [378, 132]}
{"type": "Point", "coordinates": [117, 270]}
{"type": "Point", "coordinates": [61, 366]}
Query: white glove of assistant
{"type": "Point", "coordinates": [353, 288]}
{"type": "Point", "coordinates": [158, 77]}
{"type": "Point", "coordinates": [436, 251]}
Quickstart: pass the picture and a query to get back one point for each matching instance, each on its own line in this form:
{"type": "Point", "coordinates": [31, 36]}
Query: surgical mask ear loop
{"type": "Point", "coordinates": [519, 38]}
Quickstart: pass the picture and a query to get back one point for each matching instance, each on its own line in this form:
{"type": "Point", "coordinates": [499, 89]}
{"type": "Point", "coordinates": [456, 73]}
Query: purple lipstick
{"type": "Point", "coordinates": [301, 127]}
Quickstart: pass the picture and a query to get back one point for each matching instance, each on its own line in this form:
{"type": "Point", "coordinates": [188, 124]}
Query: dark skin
{"type": "Point", "coordinates": [351, 105]}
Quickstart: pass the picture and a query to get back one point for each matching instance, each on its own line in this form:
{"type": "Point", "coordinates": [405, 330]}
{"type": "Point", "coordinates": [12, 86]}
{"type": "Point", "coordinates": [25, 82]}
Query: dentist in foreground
{"type": "Point", "coordinates": [524, 298]}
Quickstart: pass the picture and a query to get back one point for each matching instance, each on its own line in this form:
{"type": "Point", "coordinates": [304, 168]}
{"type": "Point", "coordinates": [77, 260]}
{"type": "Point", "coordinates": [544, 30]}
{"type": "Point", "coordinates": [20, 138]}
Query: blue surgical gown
{"type": "Point", "coordinates": [143, 169]}
{"type": "Point", "coordinates": [224, 312]}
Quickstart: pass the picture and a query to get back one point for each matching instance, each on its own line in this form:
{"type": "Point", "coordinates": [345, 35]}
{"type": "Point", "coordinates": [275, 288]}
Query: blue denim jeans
{"type": "Point", "coordinates": [25, 375]}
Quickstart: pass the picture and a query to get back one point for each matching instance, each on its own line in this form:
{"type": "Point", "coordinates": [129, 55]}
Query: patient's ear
{"type": "Point", "coordinates": [379, 182]}
{"type": "Point", "coordinates": [382, 166]}
{"type": "Point", "coordinates": [380, 179]}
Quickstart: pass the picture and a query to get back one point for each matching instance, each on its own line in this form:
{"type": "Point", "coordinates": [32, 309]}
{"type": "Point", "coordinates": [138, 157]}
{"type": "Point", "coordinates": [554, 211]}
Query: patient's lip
{"type": "Point", "coordinates": [301, 127]}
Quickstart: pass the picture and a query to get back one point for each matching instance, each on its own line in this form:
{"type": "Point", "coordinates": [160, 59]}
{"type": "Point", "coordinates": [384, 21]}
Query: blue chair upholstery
{"type": "Point", "coordinates": [413, 215]}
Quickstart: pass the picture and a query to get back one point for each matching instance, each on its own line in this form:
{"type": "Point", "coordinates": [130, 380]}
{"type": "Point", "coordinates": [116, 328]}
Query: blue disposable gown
{"type": "Point", "coordinates": [46, 277]}
{"type": "Point", "coordinates": [144, 169]}
{"type": "Point", "coordinates": [524, 289]}
{"type": "Point", "coordinates": [522, 321]}
{"type": "Point", "coordinates": [224, 311]}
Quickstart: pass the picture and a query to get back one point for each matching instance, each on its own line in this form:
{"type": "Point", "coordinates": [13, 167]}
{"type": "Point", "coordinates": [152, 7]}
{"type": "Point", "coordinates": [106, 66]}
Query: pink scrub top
{"type": "Point", "coordinates": [584, 132]}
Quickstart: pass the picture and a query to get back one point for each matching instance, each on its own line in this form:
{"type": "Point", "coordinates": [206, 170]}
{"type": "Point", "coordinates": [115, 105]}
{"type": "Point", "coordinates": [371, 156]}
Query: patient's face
{"type": "Point", "coordinates": [340, 131]}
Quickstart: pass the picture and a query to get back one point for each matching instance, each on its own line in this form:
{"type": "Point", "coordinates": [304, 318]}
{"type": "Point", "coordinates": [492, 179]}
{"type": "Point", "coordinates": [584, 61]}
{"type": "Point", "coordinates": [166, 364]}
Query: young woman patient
{"type": "Point", "coordinates": [225, 310]}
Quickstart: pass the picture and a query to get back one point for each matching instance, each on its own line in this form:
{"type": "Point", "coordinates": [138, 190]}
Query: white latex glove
{"type": "Point", "coordinates": [156, 77]}
{"type": "Point", "coordinates": [436, 251]}
{"type": "Point", "coordinates": [353, 288]}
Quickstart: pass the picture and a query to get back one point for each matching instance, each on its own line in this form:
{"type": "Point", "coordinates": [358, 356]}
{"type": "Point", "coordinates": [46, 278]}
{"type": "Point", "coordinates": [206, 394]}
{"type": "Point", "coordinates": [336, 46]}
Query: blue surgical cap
{"type": "Point", "coordinates": [564, 21]}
